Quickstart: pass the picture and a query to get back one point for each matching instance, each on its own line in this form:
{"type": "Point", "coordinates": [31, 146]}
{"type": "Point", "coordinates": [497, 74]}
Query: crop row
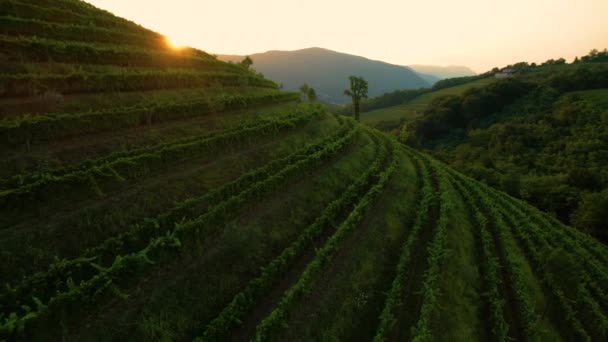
{"type": "Point", "coordinates": [42, 285]}
{"type": "Point", "coordinates": [491, 266]}
{"type": "Point", "coordinates": [140, 165]}
{"type": "Point", "coordinates": [557, 235]}
{"type": "Point", "coordinates": [43, 29]}
{"type": "Point", "coordinates": [71, 304]}
{"type": "Point", "coordinates": [127, 80]}
{"type": "Point", "coordinates": [43, 176]}
{"type": "Point", "coordinates": [515, 269]}
{"type": "Point", "coordinates": [388, 317]}
{"type": "Point", "coordinates": [31, 129]}
{"type": "Point", "coordinates": [524, 229]}
{"type": "Point", "coordinates": [537, 248]}
{"type": "Point", "coordinates": [242, 303]}
{"type": "Point", "coordinates": [277, 318]}
{"type": "Point", "coordinates": [534, 240]}
{"type": "Point", "coordinates": [32, 48]}
{"type": "Point", "coordinates": [78, 14]}
{"type": "Point", "coordinates": [598, 250]}
{"type": "Point", "coordinates": [431, 280]}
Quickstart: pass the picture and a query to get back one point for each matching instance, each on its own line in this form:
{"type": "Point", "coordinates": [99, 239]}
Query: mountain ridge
{"type": "Point", "coordinates": [327, 71]}
{"type": "Point", "coordinates": [429, 74]}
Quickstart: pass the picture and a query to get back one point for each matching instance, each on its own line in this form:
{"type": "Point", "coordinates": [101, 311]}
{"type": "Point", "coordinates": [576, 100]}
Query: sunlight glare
{"type": "Point", "coordinates": [175, 44]}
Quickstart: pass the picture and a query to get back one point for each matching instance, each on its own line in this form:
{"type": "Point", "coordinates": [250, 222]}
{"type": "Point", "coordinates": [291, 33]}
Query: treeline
{"type": "Point", "coordinates": [456, 81]}
{"type": "Point", "coordinates": [447, 116]}
{"type": "Point", "coordinates": [532, 136]}
{"type": "Point", "coordinates": [393, 98]}
{"type": "Point", "coordinates": [594, 56]}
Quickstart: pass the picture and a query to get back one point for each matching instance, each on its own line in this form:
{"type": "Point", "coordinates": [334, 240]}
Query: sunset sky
{"type": "Point", "coordinates": [480, 34]}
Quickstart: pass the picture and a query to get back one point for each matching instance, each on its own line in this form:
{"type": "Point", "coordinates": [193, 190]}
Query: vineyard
{"type": "Point", "coordinates": [164, 195]}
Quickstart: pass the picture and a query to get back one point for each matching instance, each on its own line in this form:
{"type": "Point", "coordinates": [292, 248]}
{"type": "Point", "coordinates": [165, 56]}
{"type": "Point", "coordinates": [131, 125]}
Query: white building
{"type": "Point", "coordinates": [504, 73]}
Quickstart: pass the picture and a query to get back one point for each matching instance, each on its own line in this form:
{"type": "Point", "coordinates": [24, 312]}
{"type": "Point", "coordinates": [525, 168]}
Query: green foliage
{"type": "Point", "coordinates": [138, 163]}
{"type": "Point", "coordinates": [308, 92]}
{"type": "Point", "coordinates": [275, 320]}
{"type": "Point", "coordinates": [595, 56]}
{"type": "Point", "coordinates": [590, 215]}
{"type": "Point", "coordinates": [243, 302]}
{"type": "Point", "coordinates": [357, 91]}
{"type": "Point", "coordinates": [86, 82]}
{"type": "Point", "coordinates": [528, 135]}
{"type": "Point", "coordinates": [235, 215]}
{"type": "Point", "coordinates": [389, 316]}
{"type": "Point", "coordinates": [246, 63]}
{"type": "Point", "coordinates": [85, 33]}
{"type": "Point", "coordinates": [312, 95]}
{"type": "Point", "coordinates": [39, 284]}
{"type": "Point", "coordinates": [457, 81]}
{"type": "Point", "coordinates": [47, 50]}
{"type": "Point", "coordinates": [304, 88]}
{"type": "Point", "coordinates": [423, 330]}
{"type": "Point", "coordinates": [58, 125]}
{"type": "Point", "coordinates": [394, 98]}
{"type": "Point", "coordinates": [165, 247]}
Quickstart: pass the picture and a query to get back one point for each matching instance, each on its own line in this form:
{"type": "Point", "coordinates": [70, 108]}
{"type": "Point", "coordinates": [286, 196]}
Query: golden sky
{"type": "Point", "coordinates": [480, 34]}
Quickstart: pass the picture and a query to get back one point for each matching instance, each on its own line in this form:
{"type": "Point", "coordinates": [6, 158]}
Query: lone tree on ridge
{"type": "Point", "coordinates": [357, 91]}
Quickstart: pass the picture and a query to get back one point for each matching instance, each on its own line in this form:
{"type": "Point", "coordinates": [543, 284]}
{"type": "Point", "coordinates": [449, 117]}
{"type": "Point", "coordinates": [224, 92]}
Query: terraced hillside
{"type": "Point", "coordinates": [214, 207]}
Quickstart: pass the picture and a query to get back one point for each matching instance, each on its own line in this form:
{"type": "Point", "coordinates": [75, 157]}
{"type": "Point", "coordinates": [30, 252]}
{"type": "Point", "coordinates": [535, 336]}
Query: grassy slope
{"type": "Point", "coordinates": [599, 97]}
{"type": "Point", "coordinates": [319, 243]}
{"type": "Point", "coordinates": [415, 107]}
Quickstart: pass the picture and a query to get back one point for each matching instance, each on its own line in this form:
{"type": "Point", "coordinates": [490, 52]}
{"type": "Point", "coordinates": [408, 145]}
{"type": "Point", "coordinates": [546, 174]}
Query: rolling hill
{"type": "Point", "coordinates": [391, 117]}
{"type": "Point", "coordinates": [328, 71]}
{"type": "Point", "coordinates": [149, 193]}
{"type": "Point", "coordinates": [539, 136]}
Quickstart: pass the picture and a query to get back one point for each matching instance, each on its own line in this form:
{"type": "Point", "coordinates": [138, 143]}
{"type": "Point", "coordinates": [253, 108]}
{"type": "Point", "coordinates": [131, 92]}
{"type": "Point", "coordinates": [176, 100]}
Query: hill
{"type": "Point", "coordinates": [156, 194]}
{"type": "Point", "coordinates": [392, 117]}
{"type": "Point", "coordinates": [327, 72]}
{"type": "Point", "coordinates": [443, 72]}
{"type": "Point", "coordinates": [538, 136]}
{"type": "Point", "coordinates": [430, 79]}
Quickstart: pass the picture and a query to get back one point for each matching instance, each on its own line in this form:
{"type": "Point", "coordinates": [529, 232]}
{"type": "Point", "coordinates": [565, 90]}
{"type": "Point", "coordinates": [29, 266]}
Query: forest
{"type": "Point", "coordinates": [540, 136]}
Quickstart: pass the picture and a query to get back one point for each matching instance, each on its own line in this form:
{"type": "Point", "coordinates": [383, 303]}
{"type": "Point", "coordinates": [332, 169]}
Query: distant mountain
{"type": "Point", "coordinates": [431, 79]}
{"type": "Point", "coordinates": [442, 72]}
{"type": "Point", "coordinates": [327, 71]}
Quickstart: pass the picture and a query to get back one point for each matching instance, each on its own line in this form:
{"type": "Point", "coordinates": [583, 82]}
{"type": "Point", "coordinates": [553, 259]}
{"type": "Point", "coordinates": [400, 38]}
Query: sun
{"type": "Point", "coordinates": [175, 44]}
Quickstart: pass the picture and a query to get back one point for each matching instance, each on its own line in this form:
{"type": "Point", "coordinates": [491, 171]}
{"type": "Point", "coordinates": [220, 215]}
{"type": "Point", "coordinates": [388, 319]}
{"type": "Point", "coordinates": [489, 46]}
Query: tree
{"type": "Point", "coordinates": [357, 91]}
{"type": "Point", "coordinates": [304, 88]}
{"type": "Point", "coordinates": [247, 62]}
{"type": "Point", "coordinates": [308, 92]}
{"type": "Point", "coordinates": [312, 95]}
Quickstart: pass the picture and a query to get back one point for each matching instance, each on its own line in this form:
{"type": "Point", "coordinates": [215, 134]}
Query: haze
{"type": "Point", "coordinates": [480, 34]}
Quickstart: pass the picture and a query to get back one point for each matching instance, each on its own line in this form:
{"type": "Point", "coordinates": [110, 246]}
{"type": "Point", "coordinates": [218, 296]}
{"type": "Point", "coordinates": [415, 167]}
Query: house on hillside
{"type": "Point", "coordinates": [504, 73]}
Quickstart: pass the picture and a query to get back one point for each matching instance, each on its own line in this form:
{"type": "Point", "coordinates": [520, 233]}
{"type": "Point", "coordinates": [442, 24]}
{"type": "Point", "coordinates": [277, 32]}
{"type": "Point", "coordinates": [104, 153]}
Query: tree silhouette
{"type": "Point", "coordinates": [357, 91]}
{"type": "Point", "coordinates": [307, 91]}
{"type": "Point", "coordinates": [312, 95]}
{"type": "Point", "coordinates": [247, 62]}
{"type": "Point", "coordinates": [304, 88]}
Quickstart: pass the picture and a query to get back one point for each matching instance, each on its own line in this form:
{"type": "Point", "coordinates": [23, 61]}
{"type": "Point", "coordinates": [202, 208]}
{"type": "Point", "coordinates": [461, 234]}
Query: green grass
{"type": "Point", "coordinates": [598, 97]}
{"type": "Point", "coordinates": [416, 107]}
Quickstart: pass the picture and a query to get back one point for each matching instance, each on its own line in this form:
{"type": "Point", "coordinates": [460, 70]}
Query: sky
{"type": "Point", "coordinates": [480, 34]}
